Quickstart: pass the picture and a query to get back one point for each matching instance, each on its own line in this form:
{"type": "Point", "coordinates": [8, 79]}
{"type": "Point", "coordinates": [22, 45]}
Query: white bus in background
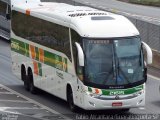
{"type": "Point", "coordinates": [90, 58]}
{"type": "Point", "coordinates": [5, 11]}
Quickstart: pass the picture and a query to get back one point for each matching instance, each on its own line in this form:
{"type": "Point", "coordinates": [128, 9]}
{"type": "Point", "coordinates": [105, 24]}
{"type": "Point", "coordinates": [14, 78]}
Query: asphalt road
{"type": "Point", "coordinates": [144, 12]}
{"type": "Point", "coordinates": [58, 108]}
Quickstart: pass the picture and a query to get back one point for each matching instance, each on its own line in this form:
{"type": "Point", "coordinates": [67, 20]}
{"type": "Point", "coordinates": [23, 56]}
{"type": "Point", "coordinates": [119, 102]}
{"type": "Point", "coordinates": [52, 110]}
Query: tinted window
{"type": "Point", "coordinates": [3, 7]}
{"type": "Point", "coordinates": [19, 25]}
{"type": "Point", "coordinates": [9, 10]}
{"type": "Point", "coordinates": [42, 32]}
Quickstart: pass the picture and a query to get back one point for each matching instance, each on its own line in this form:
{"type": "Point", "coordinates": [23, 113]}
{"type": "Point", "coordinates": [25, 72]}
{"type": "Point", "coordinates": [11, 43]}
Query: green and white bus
{"type": "Point", "coordinates": [93, 59]}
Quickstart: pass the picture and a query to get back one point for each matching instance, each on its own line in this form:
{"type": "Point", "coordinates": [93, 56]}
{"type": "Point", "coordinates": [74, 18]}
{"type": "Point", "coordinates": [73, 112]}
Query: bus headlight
{"type": "Point", "coordinates": [138, 93]}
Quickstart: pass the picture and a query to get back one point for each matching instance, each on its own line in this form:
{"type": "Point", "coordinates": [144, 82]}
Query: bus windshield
{"type": "Point", "coordinates": [115, 62]}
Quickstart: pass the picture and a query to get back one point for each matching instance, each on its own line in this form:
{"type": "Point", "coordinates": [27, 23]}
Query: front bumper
{"type": "Point", "coordinates": [92, 103]}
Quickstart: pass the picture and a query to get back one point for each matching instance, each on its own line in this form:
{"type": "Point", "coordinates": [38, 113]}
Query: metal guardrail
{"type": "Point", "coordinates": [150, 32]}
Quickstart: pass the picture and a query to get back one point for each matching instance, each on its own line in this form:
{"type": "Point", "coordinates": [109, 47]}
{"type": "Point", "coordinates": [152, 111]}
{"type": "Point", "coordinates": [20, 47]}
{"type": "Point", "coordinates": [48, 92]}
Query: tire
{"type": "Point", "coordinates": [26, 83]}
{"type": "Point", "coordinates": [24, 79]}
{"type": "Point", "coordinates": [32, 88]}
{"type": "Point", "coordinates": [70, 100]}
{"type": "Point", "coordinates": [23, 75]}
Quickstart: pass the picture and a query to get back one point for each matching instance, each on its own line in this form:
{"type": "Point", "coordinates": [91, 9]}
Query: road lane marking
{"type": "Point", "coordinates": [7, 93]}
{"type": "Point", "coordinates": [16, 101]}
{"type": "Point", "coordinates": [153, 77]}
{"type": "Point", "coordinates": [19, 108]}
{"type": "Point", "coordinates": [86, 2]}
{"type": "Point", "coordinates": [11, 112]}
{"type": "Point", "coordinates": [142, 108]}
{"type": "Point", "coordinates": [15, 115]}
{"type": "Point", "coordinates": [92, 4]}
{"type": "Point", "coordinates": [35, 102]}
{"type": "Point", "coordinates": [101, 6]}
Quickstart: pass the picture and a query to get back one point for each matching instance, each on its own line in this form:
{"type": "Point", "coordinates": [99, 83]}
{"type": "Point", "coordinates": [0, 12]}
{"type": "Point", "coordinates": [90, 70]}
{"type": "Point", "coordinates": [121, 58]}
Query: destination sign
{"type": "Point", "coordinates": [99, 41]}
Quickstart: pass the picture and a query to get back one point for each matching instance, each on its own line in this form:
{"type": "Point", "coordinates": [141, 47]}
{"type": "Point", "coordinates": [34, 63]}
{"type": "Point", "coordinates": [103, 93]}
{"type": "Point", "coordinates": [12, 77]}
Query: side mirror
{"type": "Point", "coordinates": [149, 53]}
{"type": "Point", "coordinates": [80, 54]}
{"type": "Point", "coordinates": [8, 17]}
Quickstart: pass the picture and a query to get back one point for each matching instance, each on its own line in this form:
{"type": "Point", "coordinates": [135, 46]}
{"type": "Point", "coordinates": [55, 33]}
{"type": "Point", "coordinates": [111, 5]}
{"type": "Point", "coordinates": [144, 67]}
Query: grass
{"type": "Point", "coordinates": [146, 2]}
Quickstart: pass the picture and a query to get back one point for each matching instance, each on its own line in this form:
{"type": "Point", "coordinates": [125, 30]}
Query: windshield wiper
{"type": "Point", "coordinates": [140, 57]}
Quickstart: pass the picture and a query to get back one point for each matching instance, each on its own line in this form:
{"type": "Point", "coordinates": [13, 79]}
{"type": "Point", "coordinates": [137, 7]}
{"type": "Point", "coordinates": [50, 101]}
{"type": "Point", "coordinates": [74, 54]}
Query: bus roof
{"type": "Point", "coordinates": [88, 22]}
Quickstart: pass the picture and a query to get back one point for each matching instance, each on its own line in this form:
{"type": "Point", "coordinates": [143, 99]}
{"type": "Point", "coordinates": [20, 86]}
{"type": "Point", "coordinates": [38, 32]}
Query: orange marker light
{"type": "Point", "coordinates": [96, 91]}
{"type": "Point", "coordinates": [28, 12]}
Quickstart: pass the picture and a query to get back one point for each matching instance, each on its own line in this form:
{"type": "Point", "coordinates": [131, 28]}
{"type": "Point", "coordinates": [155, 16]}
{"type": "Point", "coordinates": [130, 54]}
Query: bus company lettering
{"type": "Point", "coordinates": [116, 93]}
{"type": "Point", "coordinates": [15, 45]}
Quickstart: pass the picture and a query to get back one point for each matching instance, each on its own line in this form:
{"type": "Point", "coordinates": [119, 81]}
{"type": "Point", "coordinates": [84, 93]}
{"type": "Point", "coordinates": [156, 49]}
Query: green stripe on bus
{"type": "Point", "coordinates": [37, 53]}
{"type": "Point", "coordinates": [19, 47]}
{"type": "Point", "coordinates": [105, 92]}
{"type": "Point", "coordinates": [50, 59]}
{"type": "Point", "coordinates": [55, 61]}
{"type": "Point", "coordinates": [27, 50]}
{"type": "Point", "coordinates": [40, 69]}
{"type": "Point", "coordinates": [133, 90]}
{"type": "Point", "coordinates": [119, 91]}
{"type": "Point", "coordinates": [89, 89]}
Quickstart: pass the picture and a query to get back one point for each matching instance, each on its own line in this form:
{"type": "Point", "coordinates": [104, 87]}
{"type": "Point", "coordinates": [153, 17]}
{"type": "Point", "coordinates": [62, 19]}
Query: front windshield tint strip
{"type": "Point", "coordinates": [113, 63]}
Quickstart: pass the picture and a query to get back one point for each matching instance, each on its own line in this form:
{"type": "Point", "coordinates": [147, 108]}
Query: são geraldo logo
{"type": "Point", "coordinates": [15, 45]}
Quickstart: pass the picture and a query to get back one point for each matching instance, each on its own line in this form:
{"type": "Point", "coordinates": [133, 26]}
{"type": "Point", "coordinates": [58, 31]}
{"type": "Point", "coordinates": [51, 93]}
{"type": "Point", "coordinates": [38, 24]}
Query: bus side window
{"type": "Point", "coordinates": [8, 12]}
{"type": "Point", "coordinates": [78, 69]}
{"type": "Point", "coordinates": [3, 8]}
{"type": "Point", "coordinates": [46, 33]}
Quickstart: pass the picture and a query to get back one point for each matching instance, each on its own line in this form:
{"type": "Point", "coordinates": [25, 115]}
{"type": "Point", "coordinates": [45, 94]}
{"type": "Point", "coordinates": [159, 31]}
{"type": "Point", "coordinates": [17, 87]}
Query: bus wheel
{"type": "Point", "coordinates": [26, 82]}
{"type": "Point", "coordinates": [24, 78]}
{"type": "Point", "coordinates": [70, 100]}
{"type": "Point", "coordinates": [32, 88]}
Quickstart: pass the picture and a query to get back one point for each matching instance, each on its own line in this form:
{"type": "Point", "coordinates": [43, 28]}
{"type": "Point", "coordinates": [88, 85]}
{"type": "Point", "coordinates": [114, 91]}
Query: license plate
{"type": "Point", "coordinates": [117, 104]}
